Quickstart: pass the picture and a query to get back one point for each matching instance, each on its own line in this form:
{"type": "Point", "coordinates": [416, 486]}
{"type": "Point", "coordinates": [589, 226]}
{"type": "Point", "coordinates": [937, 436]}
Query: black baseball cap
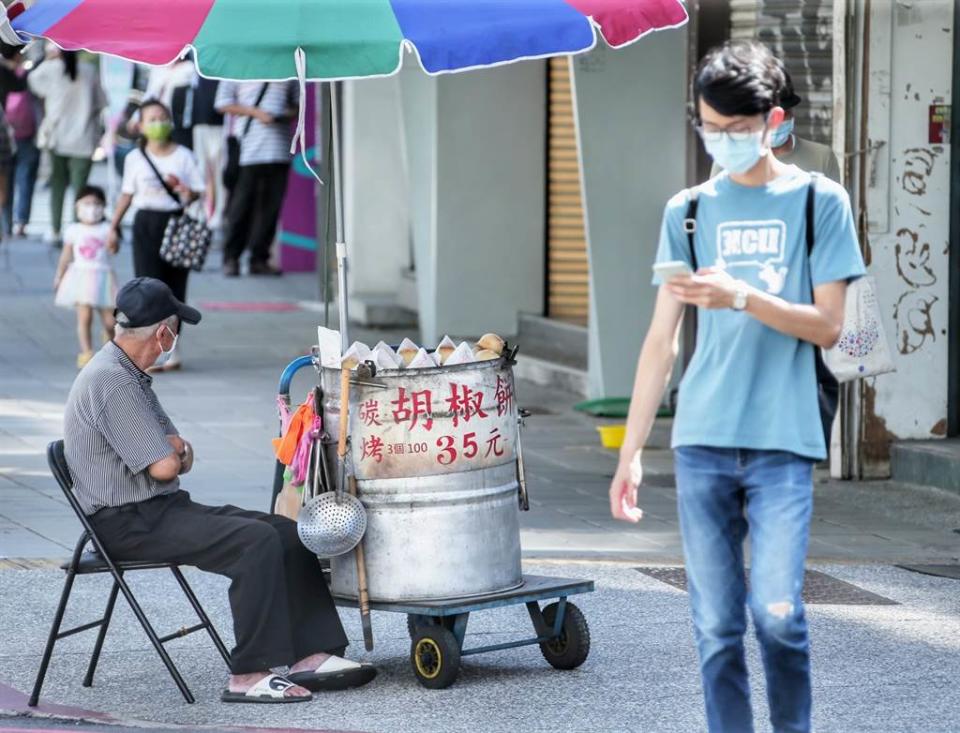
{"type": "Point", "coordinates": [145, 300]}
{"type": "Point", "coordinates": [788, 96]}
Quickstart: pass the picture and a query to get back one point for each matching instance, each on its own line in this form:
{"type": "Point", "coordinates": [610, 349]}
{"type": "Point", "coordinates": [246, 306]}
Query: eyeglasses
{"type": "Point", "coordinates": [737, 133]}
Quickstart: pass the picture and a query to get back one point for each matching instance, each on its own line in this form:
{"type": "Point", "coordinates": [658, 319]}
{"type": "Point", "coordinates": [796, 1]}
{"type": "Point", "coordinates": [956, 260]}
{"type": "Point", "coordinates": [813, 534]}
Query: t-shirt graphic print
{"type": "Point", "coordinates": [754, 244]}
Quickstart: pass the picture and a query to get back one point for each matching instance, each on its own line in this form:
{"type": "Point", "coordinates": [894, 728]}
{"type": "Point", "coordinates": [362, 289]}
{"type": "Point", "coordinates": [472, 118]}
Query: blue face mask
{"type": "Point", "coordinates": [736, 156]}
{"type": "Point", "coordinates": [782, 134]}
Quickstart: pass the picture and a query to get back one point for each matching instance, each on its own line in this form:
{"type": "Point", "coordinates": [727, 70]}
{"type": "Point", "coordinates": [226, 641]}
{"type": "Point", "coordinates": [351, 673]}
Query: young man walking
{"type": "Point", "coordinates": [747, 429]}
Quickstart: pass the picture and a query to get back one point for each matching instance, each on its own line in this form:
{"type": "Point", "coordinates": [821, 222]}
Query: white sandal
{"type": "Point", "coordinates": [271, 690]}
{"type": "Point", "coordinates": [336, 673]}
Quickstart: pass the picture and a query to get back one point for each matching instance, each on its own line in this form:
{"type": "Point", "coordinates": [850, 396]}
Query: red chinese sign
{"type": "Point", "coordinates": [455, 422]}
{"type": "Point", "coordinates": [939, 124]}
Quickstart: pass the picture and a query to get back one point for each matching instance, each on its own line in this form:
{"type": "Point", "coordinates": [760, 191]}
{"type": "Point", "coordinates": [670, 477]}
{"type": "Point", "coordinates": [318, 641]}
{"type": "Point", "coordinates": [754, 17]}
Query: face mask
{"type": "Point", "coordinates": [782, 134]}
{"type": "Point", "coordinates": [90, 213]}
{"type": "Point", "coordinates": [165, 355]}
{"type": "Point", "coordinates": [736, 156]}
{"type": "Point", "coordinates": [157, 131]}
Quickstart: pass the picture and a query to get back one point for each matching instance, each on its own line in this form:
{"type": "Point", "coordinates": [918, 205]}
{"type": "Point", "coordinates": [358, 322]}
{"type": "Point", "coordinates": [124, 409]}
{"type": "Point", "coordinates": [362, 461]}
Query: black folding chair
{"type": "Point", "coordinates": [98, 561]}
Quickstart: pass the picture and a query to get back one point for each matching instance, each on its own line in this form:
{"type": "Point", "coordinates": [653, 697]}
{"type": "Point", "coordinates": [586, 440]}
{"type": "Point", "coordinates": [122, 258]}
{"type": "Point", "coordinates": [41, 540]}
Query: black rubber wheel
{"type": "Point", "coordinates": [571, 648]}
{"type": "Point", "coordinates": [435, 657]}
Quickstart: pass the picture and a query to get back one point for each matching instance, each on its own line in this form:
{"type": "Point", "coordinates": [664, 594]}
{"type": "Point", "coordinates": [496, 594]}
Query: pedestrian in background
{"type": "Point", "coordinates": [208, 147]}
{"type": "Point", "coordinates": [254, 207]}
{"type": "Point", "coordinates": [23, 116]}
{"type": "Point", "coordinates": [160, 178]}
{"type": "Point", "coordinates": [173, 85]}
{"type": "Point", "coordinates": [72, 125]}
{"type": "Point", "coordinates": [85, 278]}
{"type": "Point", "coordinates": [747, 429]}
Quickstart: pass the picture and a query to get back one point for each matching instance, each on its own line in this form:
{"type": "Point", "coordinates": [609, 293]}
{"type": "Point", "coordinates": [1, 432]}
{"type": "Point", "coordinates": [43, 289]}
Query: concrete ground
{"type": "Point", "coordinates": [877, 668]}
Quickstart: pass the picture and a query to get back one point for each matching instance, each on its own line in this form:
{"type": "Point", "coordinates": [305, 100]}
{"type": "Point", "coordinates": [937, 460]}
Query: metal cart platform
{"type": "Point", "coordinates": [438, 628]}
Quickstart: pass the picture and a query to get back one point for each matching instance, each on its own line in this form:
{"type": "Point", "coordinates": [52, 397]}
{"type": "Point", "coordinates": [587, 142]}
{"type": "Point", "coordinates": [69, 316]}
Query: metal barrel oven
{"type": "Point", "coordinates": [435, 453]}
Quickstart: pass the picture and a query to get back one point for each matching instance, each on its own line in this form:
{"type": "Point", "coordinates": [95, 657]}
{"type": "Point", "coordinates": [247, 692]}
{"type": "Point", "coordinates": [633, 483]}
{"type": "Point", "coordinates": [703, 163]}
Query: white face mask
{"type": "Point", "coordinates": [165, 355]}
{"type": "Point", "coordinates": [90, 213]}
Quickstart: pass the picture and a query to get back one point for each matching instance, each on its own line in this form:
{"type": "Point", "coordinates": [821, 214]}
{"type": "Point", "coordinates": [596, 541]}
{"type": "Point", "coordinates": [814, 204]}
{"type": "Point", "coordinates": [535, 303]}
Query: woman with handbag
{"type": "Point", "coordinates": [160, 178]}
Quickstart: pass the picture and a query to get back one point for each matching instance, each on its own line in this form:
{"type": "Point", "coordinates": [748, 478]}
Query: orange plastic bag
{"type": "Point", "coordinates": [285, 447]}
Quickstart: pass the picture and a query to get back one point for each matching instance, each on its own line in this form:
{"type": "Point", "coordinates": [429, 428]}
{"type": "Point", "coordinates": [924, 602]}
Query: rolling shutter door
{"type": "Point", "coordinates": [800, 32]}
{"type": "Point", "coordinates": [568, 281]}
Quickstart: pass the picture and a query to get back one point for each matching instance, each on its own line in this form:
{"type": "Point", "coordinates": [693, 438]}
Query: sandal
{"type": "Point", "coordinates": [269, 690]}
{"type": "Point", "coordinates": [336, 673]}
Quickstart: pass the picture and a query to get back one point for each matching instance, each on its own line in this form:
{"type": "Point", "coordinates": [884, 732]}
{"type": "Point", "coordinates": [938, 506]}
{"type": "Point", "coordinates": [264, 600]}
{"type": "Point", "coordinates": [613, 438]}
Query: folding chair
{"type": "Point", "coordinates": [98, 561]}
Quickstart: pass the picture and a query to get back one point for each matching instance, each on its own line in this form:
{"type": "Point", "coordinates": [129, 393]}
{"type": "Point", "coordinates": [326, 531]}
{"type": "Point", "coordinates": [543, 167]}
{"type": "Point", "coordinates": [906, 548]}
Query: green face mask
{"type": "Point", "coordinates": [157, 131]}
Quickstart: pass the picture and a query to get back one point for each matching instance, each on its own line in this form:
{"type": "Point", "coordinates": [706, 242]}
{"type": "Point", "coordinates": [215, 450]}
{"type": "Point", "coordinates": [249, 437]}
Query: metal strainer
{"type": "Point", "coordinates": [332, 523]}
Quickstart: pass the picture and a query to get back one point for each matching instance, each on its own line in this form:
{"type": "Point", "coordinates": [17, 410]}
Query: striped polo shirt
{"type": "Point", "coordinates": [261, 143]}
{"type": "Point", "coordinates": [113, 430]}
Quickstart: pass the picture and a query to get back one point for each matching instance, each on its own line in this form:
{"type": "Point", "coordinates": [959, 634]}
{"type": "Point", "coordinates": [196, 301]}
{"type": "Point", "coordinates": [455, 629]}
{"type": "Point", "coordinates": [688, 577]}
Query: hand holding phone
{"type": "Point", "coordinates": [669, 270]}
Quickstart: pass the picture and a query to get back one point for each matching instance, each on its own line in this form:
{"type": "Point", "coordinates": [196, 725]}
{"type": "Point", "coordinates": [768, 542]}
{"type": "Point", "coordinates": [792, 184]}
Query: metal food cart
{"type": "Point", "coordinates": [439, 468]}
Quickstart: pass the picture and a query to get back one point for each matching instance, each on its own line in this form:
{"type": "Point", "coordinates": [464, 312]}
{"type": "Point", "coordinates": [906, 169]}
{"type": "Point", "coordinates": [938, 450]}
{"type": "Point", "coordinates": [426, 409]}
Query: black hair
{"type": "Point", "coordinates": [9, 51]}
{"type": "Point", "coordinates": [154, 102]}
{"type": "Point", "coordinates": [92, 191]}
{"type": "Point", "coordinates": [739, 78]}
{"type": "Point", "coordinates": [69, 64]}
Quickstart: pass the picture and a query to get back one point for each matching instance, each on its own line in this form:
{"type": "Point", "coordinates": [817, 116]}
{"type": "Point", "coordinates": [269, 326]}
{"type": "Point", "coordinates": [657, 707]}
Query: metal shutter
{"type": "Point", "coordinates": [568, 280]}
{"type": "Point", "coordinates": [800, 32]}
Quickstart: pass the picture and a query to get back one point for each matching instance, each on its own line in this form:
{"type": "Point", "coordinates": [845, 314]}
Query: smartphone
{"type": "Point", "coordinates": [669, 270]}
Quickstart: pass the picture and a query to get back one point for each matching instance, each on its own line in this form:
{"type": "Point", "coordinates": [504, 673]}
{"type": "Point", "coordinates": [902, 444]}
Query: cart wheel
{"type": "Point", "coordinates": [435, 657]}
{"type": "Point", "coordinates": [570, 649]}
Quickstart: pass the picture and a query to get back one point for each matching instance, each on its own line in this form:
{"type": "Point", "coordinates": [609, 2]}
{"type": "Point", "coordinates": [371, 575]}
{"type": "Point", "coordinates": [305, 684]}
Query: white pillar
{"type": "Point", "coordinates": [475, 144]}
{"type": "Point", "coordinates": [376, 197]}
{"type": "Point", "coordinates": [632, 124]}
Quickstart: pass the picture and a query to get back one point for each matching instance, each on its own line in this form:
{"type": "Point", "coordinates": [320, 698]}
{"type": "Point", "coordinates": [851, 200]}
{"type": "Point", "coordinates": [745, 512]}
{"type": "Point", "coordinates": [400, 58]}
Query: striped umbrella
{"type": "Point", "coordinates": [342, 39]}
{"type": "Point", "coordinates": [336, 39]}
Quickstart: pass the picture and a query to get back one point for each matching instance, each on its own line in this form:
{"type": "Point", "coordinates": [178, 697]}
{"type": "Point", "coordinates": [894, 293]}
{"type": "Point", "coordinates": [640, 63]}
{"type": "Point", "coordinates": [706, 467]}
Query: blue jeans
{"type": "Point", "coordinates": [722, 493]}
{"type": "Point", "coordinates": [26, 161]}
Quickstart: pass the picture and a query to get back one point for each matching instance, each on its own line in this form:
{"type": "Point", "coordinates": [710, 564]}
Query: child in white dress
{"type": "Point", "coordinates": [85, 278]}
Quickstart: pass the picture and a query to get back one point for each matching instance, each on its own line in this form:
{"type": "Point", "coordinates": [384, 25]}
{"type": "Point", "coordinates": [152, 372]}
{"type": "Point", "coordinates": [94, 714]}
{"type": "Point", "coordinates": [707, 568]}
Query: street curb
{"type": "Point", "coordinates": [13, 704]}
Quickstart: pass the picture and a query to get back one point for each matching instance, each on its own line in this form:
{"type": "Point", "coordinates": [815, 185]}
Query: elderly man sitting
{"type": "Point", "coordinates": [126, 457]}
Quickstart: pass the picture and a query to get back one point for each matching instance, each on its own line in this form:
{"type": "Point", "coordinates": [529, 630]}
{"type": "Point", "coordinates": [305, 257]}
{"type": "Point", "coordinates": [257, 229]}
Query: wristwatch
{"type": "Point", "coordinates": [740, 297]}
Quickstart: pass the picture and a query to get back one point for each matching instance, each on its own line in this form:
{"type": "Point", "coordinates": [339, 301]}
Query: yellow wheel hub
{"type": "Point", "coordinates": [428, 658]}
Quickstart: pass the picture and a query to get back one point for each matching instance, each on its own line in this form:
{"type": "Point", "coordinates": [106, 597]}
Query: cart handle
{"type": "Point", "coordinates": [287, 376]}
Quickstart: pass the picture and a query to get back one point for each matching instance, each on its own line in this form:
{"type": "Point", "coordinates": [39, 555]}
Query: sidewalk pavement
{"type": "Point", "coordinates": [877, 667]}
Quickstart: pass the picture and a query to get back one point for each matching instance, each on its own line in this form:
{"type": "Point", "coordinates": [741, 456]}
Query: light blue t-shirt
{"type": "Point", "coordinates": [748, 385]}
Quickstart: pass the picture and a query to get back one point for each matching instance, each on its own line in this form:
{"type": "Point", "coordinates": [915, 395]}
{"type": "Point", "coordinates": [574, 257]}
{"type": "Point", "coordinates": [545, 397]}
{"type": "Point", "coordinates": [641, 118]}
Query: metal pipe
{"type": "Point", "coordinates": [344, 316]}
{"type": "Point", "coordinates": [854, 432]}
{"type": "Point", "coordinates": [953, 300]}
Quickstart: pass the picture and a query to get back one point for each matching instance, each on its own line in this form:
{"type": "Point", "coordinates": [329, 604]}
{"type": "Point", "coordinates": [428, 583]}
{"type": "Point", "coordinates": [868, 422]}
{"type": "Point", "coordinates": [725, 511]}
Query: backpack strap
{"type": "Point", "coordinates": [690, 223]}
{"type": "Point", "coordinates": [811, 200]}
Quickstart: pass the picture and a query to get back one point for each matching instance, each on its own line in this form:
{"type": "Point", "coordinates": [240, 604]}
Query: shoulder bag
{"type": "Point", "coordinates": [231, 169]}
{"type": "Point", "coordinates": [186, 240]}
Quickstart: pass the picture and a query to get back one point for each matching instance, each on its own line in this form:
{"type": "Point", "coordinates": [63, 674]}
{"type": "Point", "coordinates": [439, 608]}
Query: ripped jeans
{"type": "Point", "coordinates": [722, 493]}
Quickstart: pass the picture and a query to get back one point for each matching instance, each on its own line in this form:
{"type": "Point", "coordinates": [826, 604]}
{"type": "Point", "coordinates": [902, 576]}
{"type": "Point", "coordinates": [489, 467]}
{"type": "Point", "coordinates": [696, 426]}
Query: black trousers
{"type": "Point", "coordinates": [254, 210]}
{"type": "Point", "coordinates": [148, 228]}
{"type": "Point", "coordinates": [282, 608]}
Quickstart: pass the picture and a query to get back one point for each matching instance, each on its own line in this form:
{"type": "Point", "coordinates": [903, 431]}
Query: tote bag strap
{"type": "Point", "coordinates": [156, 172]}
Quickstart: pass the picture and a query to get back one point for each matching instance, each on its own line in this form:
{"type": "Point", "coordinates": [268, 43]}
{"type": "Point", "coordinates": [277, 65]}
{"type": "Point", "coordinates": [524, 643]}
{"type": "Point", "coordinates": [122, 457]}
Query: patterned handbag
{"type": "Point", "coordinates": [186, 240]}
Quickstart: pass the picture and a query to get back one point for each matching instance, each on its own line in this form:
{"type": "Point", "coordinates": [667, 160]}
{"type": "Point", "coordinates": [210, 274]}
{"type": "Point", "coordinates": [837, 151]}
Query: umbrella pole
{"type": "Point", "coordinates": [338, 218]}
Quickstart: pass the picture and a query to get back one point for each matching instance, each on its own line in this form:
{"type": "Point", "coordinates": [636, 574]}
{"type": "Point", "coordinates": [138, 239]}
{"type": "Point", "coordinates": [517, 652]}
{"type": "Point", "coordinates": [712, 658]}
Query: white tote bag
{"type": "Point", "coordinates": [862, 349]}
